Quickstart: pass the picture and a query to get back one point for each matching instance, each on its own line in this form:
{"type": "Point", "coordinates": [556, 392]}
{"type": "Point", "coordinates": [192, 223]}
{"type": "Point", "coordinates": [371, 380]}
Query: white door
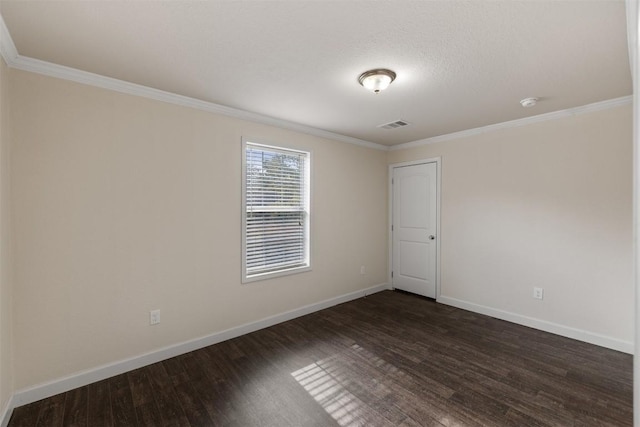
{"type": "Point", "coordinates": [414, 221]}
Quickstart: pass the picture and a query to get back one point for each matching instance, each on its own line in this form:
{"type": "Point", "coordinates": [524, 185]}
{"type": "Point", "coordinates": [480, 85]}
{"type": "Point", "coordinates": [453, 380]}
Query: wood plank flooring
{"type": "Point", "coordinates": [391, 359]}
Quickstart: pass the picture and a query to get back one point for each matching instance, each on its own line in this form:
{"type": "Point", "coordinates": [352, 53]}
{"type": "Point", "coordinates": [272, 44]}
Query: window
{"type": "Point", "coordinates": [275, 207]}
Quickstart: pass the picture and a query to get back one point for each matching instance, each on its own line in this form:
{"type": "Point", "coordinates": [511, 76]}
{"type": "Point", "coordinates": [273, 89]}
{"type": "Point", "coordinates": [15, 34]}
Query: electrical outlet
{"type": "Point", "coordinates": [362, 269]}
{"type": "Point", "coordinates": [154, 317]}
{"type": "Point", "coordinates": [538, 293]}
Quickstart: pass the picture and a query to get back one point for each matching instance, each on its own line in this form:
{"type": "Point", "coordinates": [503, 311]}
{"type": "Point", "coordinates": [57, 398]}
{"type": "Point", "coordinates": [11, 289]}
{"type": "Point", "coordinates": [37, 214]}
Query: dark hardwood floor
{"type": "Point", "coordinates": [391, 359]}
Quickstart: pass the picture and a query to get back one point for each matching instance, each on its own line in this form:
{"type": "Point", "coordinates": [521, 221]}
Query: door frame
{"type": "Point", "coordinates": [392, 166]}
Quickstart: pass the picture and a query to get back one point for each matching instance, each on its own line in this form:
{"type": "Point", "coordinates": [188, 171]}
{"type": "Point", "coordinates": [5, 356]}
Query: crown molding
{"type": "Point", "coordinates": [569, 112]}
{"type": "Point", "coordinates": [91, 79]}
{"type": "Point", "coordinates": [15, 60]}
{"type": "Point", "coordinates": [7, 48]}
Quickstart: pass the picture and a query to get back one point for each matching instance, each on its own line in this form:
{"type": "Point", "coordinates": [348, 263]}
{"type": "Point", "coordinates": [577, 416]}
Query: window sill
{"type": "Point", "coordinates": [274, 274]}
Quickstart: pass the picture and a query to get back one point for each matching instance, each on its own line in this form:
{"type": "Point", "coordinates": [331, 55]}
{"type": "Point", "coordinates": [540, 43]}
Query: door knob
{"type": "Point", "coordinates": [432, 237]}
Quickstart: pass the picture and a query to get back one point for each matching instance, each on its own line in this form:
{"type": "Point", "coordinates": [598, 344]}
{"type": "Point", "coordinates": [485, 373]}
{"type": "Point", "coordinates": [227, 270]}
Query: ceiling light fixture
{"type": "Point", "coordinates": [377, 80]}
{"type": "Point", "coordinates": [529, 102]}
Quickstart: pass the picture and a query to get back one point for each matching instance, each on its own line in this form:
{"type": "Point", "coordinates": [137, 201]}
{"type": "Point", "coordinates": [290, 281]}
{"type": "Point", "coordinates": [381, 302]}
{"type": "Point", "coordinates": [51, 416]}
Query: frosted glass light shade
{"type": "Point", "coordinates": [377, 80]}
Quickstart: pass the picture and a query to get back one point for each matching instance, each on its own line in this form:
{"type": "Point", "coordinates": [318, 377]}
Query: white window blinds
{"type": "Point", "coordinates": [276, 201]}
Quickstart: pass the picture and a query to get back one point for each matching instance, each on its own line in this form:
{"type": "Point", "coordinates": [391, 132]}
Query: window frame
{"type": "Point", "coordinates": [255, 142]}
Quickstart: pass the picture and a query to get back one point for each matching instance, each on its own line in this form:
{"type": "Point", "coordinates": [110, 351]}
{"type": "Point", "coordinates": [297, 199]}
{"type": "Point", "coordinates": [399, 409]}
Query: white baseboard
{"type": "Point", "coordinates": [5, 415]}
{"type": "Point", "coordinates": [80, 379]}
{"type": "Point", "coordinates": [543, 325]}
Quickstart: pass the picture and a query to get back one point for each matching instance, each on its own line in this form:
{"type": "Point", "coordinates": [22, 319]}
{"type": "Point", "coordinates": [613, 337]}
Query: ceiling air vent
{"type": "Point", "coordinates": [394, 125]}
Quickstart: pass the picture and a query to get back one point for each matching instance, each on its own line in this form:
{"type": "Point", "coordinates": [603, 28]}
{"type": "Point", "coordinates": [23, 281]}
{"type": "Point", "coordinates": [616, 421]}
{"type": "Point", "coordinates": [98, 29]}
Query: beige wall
{"type": "Point", "coordinates": [123, 205]}
{"type": "Point", "coordinates": [548, 205]}
{"type": "Point", "coordinates": [6, 368]}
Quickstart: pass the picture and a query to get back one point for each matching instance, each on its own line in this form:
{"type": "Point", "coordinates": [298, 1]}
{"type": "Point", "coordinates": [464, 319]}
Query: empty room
{"type": "Point", "coordinates": [318, 213]}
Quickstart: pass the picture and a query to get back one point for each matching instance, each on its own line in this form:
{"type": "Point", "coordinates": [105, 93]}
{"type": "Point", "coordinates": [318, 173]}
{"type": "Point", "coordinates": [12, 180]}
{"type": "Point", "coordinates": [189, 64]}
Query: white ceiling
{"type": "Point", "coordinates": [460, 64]}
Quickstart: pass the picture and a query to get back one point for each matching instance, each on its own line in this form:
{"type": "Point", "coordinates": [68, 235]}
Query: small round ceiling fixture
{"type": "Point", "coordinates": [529, 102]}
{"type": "Point", "coordinates": [377, 80]}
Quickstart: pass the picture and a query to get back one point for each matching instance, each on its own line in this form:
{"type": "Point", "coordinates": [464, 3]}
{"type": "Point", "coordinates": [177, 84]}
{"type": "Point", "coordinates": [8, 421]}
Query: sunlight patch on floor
{"type": "Point", "coordinates": [328, 381]}
{"type": "Point", "coordinates": [322, 381]}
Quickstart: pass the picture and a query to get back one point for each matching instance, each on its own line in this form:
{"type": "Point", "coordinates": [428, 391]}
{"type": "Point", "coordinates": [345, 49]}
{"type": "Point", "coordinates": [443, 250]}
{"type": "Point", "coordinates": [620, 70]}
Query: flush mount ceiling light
{"type": "Point", "coordinates": [529, 102]}
{"type": "Point", "coordinates": [377, 80]}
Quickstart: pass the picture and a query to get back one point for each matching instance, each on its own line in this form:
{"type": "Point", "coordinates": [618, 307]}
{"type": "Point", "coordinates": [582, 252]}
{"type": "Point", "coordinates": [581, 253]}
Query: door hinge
{"type": "Point", "coordinates": [392, 274]}
{"type": "Point", "coordinates": [391, 227]}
